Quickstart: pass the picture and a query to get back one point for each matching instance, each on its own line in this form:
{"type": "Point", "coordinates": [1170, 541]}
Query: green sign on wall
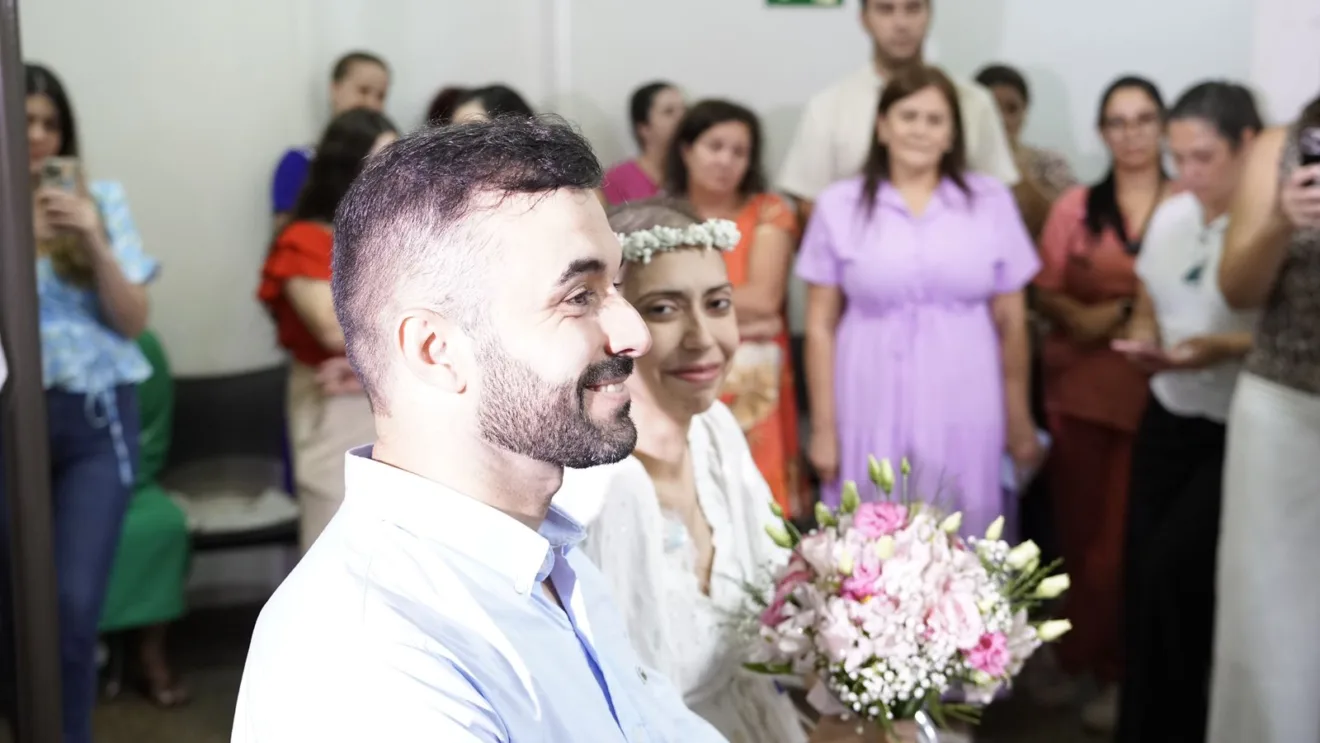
{"type": "Point", "coordinates": [813, 3]}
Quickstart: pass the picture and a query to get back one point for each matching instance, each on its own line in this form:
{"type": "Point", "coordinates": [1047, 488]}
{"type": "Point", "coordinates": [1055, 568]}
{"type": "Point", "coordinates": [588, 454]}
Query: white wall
{"type": "Point", "coordinates": [773, 59]}
{"type": "Point", "coordinates": [193, 118]}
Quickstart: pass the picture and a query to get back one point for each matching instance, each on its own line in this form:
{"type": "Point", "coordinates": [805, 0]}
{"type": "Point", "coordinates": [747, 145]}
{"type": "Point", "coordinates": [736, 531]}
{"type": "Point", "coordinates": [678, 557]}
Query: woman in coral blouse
{"type": "Point", "coordinates": [715, 163]}
{"type": "Point", "coordinates": [327, 410]}
{"type": "Point", "coordinates": [1094, 397]}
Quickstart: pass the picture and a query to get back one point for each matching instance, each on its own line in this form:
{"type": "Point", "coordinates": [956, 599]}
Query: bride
{"type": "Point", "coordinates": [680, 524]}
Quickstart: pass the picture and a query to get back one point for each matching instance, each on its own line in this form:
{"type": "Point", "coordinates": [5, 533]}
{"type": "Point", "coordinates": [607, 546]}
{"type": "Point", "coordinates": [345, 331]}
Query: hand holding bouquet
{"type": "Point", "coordinates": [893, 612]}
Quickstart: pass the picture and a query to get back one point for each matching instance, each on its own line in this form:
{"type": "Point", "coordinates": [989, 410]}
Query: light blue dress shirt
{"type": "Point", "coordinates": [419, 615]}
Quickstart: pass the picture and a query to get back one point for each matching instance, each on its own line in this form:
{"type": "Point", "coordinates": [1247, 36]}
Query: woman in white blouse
{"type": "Point", "coordinates": [679, 525]}
{"type": "Point", "coordinates": [1183, 331]}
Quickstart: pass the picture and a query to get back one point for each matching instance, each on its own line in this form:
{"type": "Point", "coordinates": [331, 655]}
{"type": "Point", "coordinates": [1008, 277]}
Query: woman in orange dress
{"type": "Point", "coordinates": [715, 163]}
{"type": "Point", "coordinates": [1094, 397]}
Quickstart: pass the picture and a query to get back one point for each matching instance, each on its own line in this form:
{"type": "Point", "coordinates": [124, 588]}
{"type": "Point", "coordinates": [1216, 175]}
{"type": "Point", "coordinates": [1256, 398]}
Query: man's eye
{"type": "Point", "coordinates": [583, 298]}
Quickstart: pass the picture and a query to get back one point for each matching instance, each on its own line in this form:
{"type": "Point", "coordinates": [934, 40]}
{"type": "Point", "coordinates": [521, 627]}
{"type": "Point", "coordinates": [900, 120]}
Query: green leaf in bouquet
{"type": "Point", "coordinates": [848, 499]}
{"type": "Point", "coordinates": [1025, 583]}
{"type": "Point", "coordinates": [776, 510]}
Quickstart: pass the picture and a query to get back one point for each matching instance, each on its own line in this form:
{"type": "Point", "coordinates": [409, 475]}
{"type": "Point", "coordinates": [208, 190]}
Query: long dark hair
{"type": "Point", "coordinates": [954, 162]}
{"type": "Point", "coordinates": [1228, 107]}
{"type": "Point", "coordinates": [40, 80]}
{"type": "Point", "coordinates": [697, 121]}
{"type": "Point", "coordinates": [498, 100]}
{"type": "Point", "coordinates": [1102, 209]}
{"type": "Point", "coordinates": [339, 159]}
{"type": "Point", "coordinates": [639, 105]}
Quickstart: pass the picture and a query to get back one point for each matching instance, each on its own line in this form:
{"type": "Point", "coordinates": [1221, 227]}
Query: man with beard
{"type": "Point", "coordinates": [474, 278]}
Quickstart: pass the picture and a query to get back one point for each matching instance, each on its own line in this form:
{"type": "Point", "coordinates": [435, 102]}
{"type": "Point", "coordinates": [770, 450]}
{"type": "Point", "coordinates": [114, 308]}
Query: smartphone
{"type": "Point", "coordinates": [1308, 145]}
{"type": "Point", "coordinates": [63, 173]}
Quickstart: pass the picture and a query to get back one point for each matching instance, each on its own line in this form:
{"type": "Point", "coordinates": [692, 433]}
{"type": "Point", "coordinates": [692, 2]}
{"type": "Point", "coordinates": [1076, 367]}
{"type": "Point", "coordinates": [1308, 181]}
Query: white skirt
{"type": "Point", "coordinates": [1266, 681]}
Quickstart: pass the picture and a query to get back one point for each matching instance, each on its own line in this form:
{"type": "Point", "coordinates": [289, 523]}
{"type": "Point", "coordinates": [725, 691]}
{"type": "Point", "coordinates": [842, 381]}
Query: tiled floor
{"type": "Point", "coordinates": [211, 646]}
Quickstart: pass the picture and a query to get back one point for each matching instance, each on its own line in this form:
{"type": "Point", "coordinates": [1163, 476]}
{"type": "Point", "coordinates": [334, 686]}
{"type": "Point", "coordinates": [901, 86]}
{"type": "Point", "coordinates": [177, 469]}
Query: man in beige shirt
{"type": "Point", "coordinates": [837, 128]}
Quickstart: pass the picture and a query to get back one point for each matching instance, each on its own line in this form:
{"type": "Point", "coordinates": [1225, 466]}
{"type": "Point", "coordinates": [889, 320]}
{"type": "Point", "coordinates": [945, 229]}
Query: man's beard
{"type": "Point", "coordinates": [522, 413]}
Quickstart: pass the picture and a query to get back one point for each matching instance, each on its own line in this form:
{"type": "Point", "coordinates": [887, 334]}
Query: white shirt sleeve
{"type": "Point", "coordinates": [809, 166]}
{"type": "Point", "coordinates": [988, 150]}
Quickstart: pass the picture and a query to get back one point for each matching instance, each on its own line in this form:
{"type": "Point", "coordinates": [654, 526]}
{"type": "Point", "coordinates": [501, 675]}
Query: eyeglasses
{"type": "Point", "coordinates": [1145, 123]}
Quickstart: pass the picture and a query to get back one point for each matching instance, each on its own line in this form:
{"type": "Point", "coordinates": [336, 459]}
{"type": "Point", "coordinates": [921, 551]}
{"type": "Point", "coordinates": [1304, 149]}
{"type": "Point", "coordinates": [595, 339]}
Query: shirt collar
{"type": "Point", "coordinates": [436, 513]}
{"type": "Point", "coordinates": [947, 193]}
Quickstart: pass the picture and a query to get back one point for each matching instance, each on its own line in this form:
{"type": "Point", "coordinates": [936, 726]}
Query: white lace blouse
{"type": "Point", "coordinates": [647, 558]}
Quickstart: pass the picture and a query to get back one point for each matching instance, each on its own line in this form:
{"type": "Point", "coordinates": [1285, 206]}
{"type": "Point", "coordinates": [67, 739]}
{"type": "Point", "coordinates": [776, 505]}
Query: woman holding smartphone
{"type": "Point", "coordinates": [1267, 648]}
{"type": "Point", "coordinates": [1193, 343]}
{"type": "Point", "coordinates": [91, 284]}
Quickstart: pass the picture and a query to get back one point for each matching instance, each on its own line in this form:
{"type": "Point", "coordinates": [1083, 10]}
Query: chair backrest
{"type": "Point", "coordinates": [156, 409]}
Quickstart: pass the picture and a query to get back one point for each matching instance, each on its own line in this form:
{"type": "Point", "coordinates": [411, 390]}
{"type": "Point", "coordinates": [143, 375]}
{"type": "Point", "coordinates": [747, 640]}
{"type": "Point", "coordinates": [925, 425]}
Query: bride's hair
{"type": "Point", "coordinates": [661, 211]}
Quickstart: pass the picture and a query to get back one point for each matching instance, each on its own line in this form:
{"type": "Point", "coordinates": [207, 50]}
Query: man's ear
{"type": "Point", "coordinates": [434, 350]}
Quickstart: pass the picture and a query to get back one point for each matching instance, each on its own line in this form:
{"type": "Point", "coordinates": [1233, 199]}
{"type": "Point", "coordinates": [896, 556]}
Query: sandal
{"type": "Point", "coordinates": [166, 693]}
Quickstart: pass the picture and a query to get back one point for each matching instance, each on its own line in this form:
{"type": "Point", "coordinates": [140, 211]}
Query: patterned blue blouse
{"type": "Point", "coordinates": [79, 352]}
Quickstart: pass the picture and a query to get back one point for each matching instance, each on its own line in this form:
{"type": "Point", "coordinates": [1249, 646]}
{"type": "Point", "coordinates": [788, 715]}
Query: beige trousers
{"type": "Point", "coordinates": [321, 429]}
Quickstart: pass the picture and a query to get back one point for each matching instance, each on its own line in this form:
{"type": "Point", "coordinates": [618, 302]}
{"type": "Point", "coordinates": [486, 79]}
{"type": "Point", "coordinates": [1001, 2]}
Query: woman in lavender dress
{"type": "Point", "coordinates": [916, 323]}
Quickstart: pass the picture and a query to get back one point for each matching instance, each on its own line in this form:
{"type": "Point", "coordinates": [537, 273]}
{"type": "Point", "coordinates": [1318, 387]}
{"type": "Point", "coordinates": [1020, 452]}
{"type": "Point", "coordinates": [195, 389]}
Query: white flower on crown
{"type": "Point", "coordinates": [641, 246]}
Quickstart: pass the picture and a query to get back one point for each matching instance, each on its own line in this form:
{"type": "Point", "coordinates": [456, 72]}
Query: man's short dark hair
{"type": "Point", "coordinates": [344, 64]}
{"type": "Point", "coordinates": [403, 233]}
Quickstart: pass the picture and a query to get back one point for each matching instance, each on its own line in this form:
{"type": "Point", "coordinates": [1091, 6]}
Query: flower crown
{"type": "Point", "coordinates": [642, 245]}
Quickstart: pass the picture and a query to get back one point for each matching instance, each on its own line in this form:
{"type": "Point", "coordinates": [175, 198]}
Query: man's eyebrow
{"type": "Point", "coordinates": [580, 267]}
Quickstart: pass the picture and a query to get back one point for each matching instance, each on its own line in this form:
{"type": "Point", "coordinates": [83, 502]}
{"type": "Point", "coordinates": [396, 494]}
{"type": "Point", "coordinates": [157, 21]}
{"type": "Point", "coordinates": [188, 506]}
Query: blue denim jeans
{"type": "Point", "coordinates": [89, 497]}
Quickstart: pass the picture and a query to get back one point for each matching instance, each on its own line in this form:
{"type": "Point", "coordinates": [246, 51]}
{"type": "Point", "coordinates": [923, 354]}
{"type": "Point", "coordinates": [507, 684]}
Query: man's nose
{"type": "Point", "coordinates": [626, 333]}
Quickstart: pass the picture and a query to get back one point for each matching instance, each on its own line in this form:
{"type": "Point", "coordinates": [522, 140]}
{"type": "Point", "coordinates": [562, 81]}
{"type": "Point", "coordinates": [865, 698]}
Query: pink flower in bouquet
{"type": "Point", "coordinates": [862, 584]}
{"type": "Point", "coordinates": [838, 633]}
{"type": "Point", "coordinates": [797, 575]}
{"type": "Point", "coordinates": [991, 654]}
{"type": "Point", "coordinates": [818, 551]}
{"type": "Point", "coordinates": [875, 520]}
{"type": "Point", "coordinates": [955, 619]}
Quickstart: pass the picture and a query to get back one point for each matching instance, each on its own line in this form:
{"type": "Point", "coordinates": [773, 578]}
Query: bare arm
{"type": "Point", "coordinates": [761, 297]}
{"type": "Point", "coordinates": [312, 300]}
{"type": "Point", "coordinates": [824, 306]}
{"type": "Point", "coordinates": [1255, 244]}
{"type": "Point", "coordinates": [1010, 316]}
{"type": "Point", "coordinates": [123, 303]}
{"type": "Point", "coordinates": [1084, 323]}
{"type": "Point", "coordinates": [1143, 326]}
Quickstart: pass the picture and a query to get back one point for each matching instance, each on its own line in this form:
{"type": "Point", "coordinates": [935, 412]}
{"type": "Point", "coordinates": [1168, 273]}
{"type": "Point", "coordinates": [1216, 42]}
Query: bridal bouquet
{"type": "Point", "coordinates": [893, 613]}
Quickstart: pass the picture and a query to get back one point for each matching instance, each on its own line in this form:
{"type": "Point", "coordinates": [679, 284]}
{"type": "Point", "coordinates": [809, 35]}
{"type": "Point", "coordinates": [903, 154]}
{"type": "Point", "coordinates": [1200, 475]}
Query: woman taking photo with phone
{"type": "Point", "coordinates": [328, 412]}
{"type": "Point", "coordinates": [91, 277]}
{"type": "Point", "coordinates": [1267, 650]}
{"type": "Point", "coordinates": [1182, 332]}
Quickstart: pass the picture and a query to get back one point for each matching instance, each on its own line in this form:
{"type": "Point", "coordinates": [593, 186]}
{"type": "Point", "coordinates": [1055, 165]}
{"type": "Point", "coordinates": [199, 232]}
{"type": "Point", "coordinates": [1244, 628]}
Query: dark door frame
{"type": "Point", "coordinates": [33, 609]}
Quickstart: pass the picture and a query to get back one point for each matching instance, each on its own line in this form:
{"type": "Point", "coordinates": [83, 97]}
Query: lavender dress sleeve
{"type": "Point", "coordinates": [1017, 263]}
{"type": "Point", "coordinates": [818, 258]}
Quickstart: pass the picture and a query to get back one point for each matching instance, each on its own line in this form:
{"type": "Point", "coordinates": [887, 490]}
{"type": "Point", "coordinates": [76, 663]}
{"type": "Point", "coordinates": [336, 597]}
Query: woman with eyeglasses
{"type": "Point", "coordinates": [1094, 398]}
{"type": "Point", "coordinates": [1184, 333]}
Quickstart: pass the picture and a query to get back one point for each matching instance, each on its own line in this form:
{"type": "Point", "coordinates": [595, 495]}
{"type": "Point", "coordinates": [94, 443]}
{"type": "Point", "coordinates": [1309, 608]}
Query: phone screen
{"type": "Point", "coordinates": [1308, 143]}
{"type": "Point", "coordinates": [60, 173]}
